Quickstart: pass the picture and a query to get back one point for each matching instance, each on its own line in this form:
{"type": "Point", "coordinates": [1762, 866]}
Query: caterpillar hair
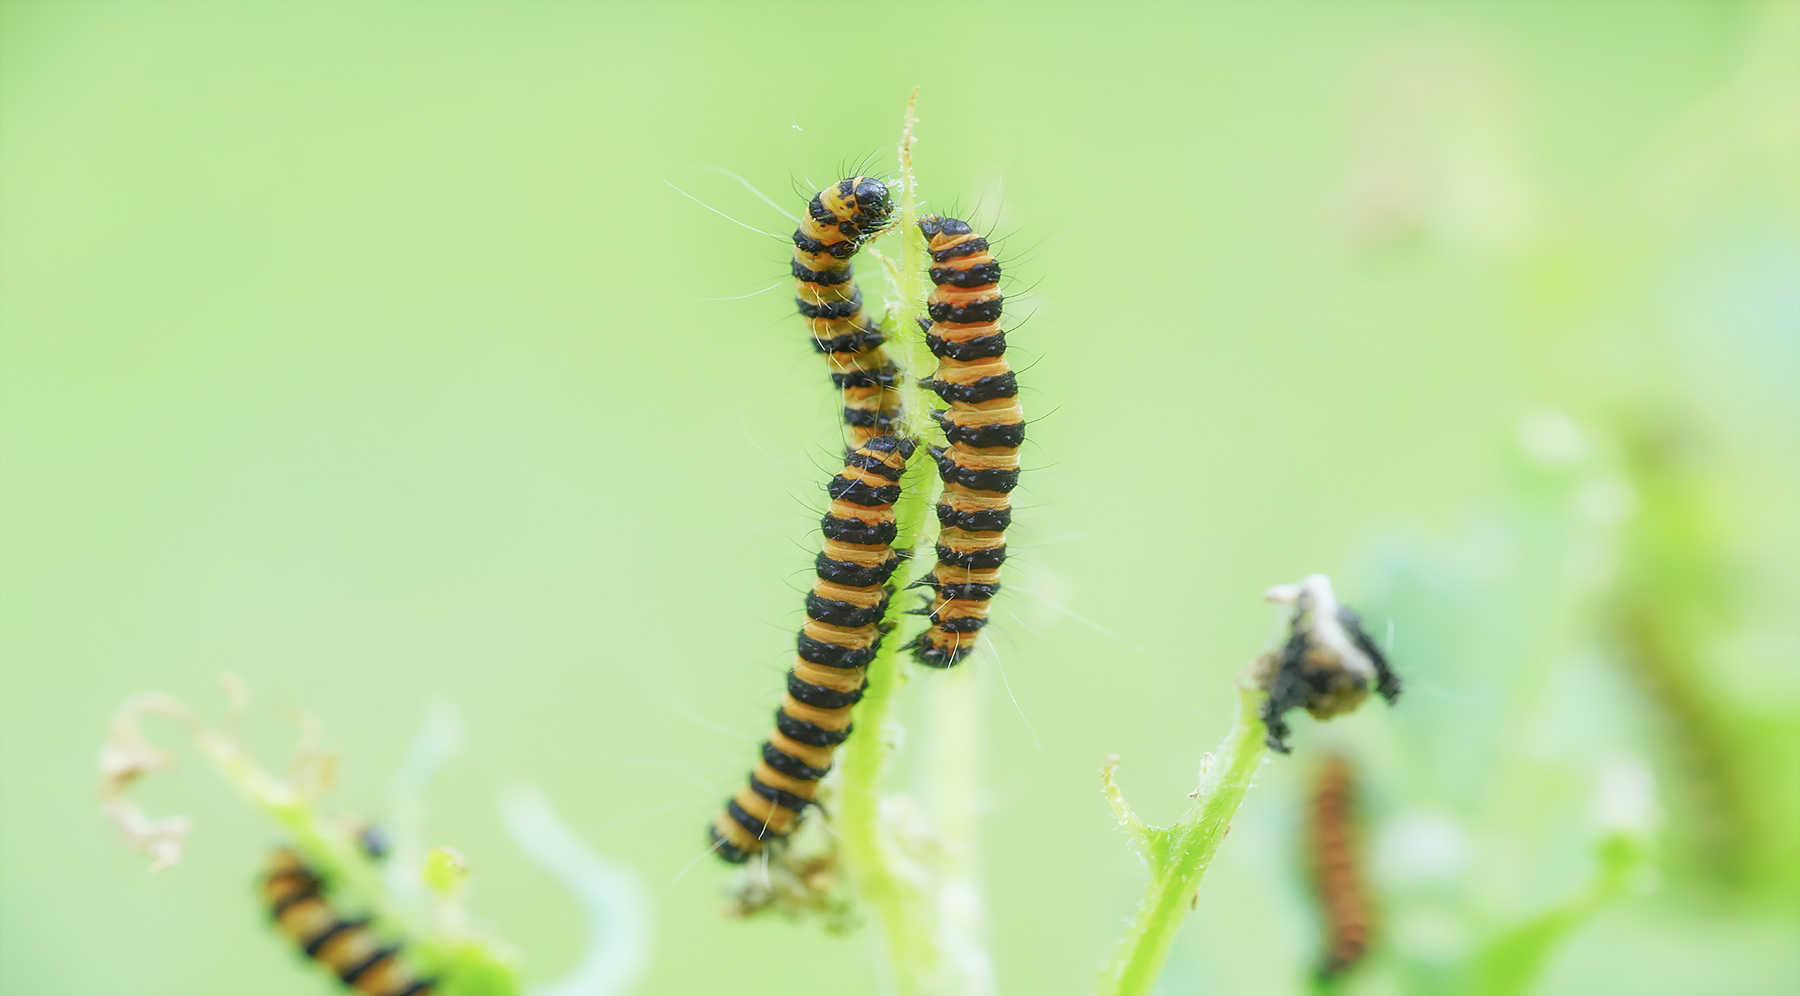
{"type": "Point", "coordinates": [842, 632]}
{"type": "Point", "coordinates": [1337, 875]}
{"type": "Point", "coordinates": [983, 426]}
{"type": "Point", "coordinates": [838, 221]}
{"type": "Point", "coordinates": [346, 946]}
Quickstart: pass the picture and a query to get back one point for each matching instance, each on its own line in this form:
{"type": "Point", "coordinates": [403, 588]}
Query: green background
{"type": "Point", "coordinates": [364, 350]}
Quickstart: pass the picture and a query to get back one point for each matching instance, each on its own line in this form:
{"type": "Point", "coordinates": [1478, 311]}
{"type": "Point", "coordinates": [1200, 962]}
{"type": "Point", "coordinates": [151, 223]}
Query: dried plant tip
{"type": "Point", "coordinates": [1326, 664]}
{"type": "Point", "coordinates": [160, 840]}
{"type": "Point", "coordinates": [313, 767]}
{"type": "Point", "coordinates": [803, 878]}
{"type": "Point", "coordinates": [127, 756]}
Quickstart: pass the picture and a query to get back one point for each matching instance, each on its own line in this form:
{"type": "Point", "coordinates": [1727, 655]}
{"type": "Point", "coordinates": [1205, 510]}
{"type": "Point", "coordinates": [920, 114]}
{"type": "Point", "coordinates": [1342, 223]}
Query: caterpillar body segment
{"type": "Point", "coordinates": [838, 220]}
{"type": "Point", "coordinates": [841, 635]}
{"type": "Point", "coordinates": [983, 425]}
{"type": "Point", "coordinates": [295, 897]}
{"type": "Point", "coordinates": [1337, 872]}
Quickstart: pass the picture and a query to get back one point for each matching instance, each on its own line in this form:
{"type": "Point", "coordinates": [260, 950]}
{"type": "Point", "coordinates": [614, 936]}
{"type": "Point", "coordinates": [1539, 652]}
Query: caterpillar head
{"type": "Point", "coordinates": [859, 205]}
{"type": "Point", "coordinates": [935, 225]}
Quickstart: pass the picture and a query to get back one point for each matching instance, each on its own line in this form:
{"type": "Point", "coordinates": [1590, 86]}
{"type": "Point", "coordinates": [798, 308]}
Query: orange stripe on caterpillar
{"type": "Point", "coordinates": [838, 220]}
{"type": "Point", "coordinates": [295, 897]}
{"type": "Point", "coordinates": [840, 637]}
{"type": "Point", "coordinates": [983, 425]}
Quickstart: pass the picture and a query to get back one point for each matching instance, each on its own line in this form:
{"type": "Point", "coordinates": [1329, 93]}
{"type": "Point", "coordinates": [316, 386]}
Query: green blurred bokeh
{"type": "Point", "coordinates": [364, 350]}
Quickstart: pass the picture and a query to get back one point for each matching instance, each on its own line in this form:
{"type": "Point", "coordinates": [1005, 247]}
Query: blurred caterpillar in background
{"type": "Point", "coordinates": [347, 947]}
{"type": "Point", "coordinates": [842, 632]}
{"type": "Point", "coordinates": [1337, 873]}
{"type": "Point", "coordinates": [984, 425]}
{"type": "Point", "coordinates": [838, 221]}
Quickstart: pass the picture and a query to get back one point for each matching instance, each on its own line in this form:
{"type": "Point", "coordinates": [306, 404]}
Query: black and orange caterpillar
{"type": "Point", "coordinates": [842, 632]}
{"type": "Point", "coordinates": [838, 221]}
{"type": "Point", "coordinates": [346, 946]}
{"type": "Point", "coordinates": [983, 425]}
{"type": "Point", "coordinates": [1337, 876]}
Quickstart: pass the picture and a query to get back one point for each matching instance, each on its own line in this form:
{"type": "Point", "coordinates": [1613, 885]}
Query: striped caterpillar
{"type": "Point", "coordinates": [983, 425]}
{"type": "Point", "coordinates": [839, 639]}
{"type": "Point", "coordinates": [838, 221]}
{"type": "Point", "coordinates": [1336, 876]}
{"type": "Point", "coordinates": [347, 947]}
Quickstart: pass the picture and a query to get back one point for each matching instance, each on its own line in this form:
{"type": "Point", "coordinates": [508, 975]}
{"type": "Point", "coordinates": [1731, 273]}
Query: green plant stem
{"type": "Point", "coordinates": [872, 854]}
{"type": "Point", "coordinates": [1178, 856]}
{"type": "Point", "coordinates": [867, 848]}
{"type": "Point", "coordinates": [1515, 958]}
{"type": "Point", "coordinates": [953, 795]}
{"type": "Point", "coordinates": [890, 884]}
{"type": "Point", "coordinates": [913, 285]}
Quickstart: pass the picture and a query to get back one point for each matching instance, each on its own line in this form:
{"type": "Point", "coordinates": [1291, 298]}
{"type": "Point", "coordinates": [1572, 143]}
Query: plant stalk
{"type": "Point", "coordinates": [953, 797]}
{"type": "Point", "coordinates": [890, 889]}
{"type": "Point", "coordinates": [1178, 856]}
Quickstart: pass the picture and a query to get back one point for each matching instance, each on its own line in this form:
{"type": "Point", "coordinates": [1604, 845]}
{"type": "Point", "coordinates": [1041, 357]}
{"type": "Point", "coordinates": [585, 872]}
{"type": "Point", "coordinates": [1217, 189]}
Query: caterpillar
{"type": "Point", "coordinates": [294, 893]}
{"type": "Point", "coordinates": [1336, 869]}
{"type": "Point", "coordinates": [843, 630]}
{"type": "Point", "coordinates": [983, 427]}
{"type": "Point", "coordinates": [838, 221]}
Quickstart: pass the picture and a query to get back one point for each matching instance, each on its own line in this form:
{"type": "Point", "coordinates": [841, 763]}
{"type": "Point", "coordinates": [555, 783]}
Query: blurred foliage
{"type": "Point", "coordinates": [361, 349]}
{"type": "Point", "coordinates": [342, 858]}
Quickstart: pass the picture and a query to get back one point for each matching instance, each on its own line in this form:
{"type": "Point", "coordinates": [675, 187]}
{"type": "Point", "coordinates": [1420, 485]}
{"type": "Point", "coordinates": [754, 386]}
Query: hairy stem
{"type": "Point", "coordinates": [869, 847]}
{"type": "Point", "coordinates": [954, 793]}
{"type": "Point", "coordinates": [1179, 855]}
{"type": "Point", "coordinates": [914, 285]}
{"type": "Point", "coordinates": [894, 885]}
